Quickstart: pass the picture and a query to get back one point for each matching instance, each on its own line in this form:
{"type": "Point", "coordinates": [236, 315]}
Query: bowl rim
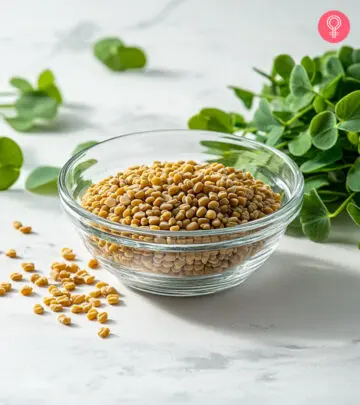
{"type": "Point", "coordinates": [285, 210]}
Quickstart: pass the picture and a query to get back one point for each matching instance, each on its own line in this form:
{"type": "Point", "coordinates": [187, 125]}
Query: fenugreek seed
{"type": "Point", "coordinates": [77, 309]}
{"type": "Point", "coordinates": [104, 332]}
{"type": "Point", "coordinates": [198, 187]}
{"type": "Point", "coordinates": [78, 280]}
{"type": "Point", "coordinates": [156, 181]}
{"type": "Point", "coordinates": [95, 302]}
{"type": "Point", "coordinates": [192, 226]}
{"type": "Point", "coordinates": [213, 205]}
{"type": "Point", "coordinates": [11, 253]}
{"type": "Point", "coordinates": [51, 288]}
{"type": "Point", "coordinates": [92, 314]}
{"type": "Point", "coordinates": [70, 286]}
{"type": "Point", "coordinates": [89, 279]}
{"type": "Point", "coordinates": [42, 281]}
{"type": "Point", "coordinates": [26, 290]}
{"type": "Point", "coordinates": [93, 264]}
{"type": "Point", "coordinates": [82, 273]}
{"type": "Point", "coordinates": [64, 274]}
{"type": "Point", "coordinates": [105, 291]}
{"type": "Point", "coordinates": [58, 266]}
{"type": "Point", "coordinates": [113, 299]}
{"type": "Point", "coordinates": [64, 301]}
{"type": "Point", "coordinates": [69, 256]}
{"type": "Point", "coordinates": [96, 293]}
{"type": "Point", "coordinates": [102, 317]}
{"type": "Point", "coordinates": [34, 277]}
{"type": "Point", "coordinates": [64, 319]}
{"type": "Point", "coordinates": [72, 268]}
{"type": "Point", "coordinates": [6, 286]}
{"type": "Point", "coordinates": [49, 300]}
{"type": "Point", "coordinates": [203, 201]}
{"type": "Point", "coordinates": [86, 307]}
{"type": "Point", "coordinates": [17, 224]}
{"type": "Point", "coordinates": [101, 284]}
{"type": "Point", "coordinates": [16, 276]}
{"type": "Point", "coordinates": [201, 211]}
{"type": "Point", "coordinates": [2, 291]}
{"type": "Point", "coordinates": [38, 309]}
{"type": "Point", "coordinates": [211, 214]}
{"type": "Point", "coordinates": [78, 299]}
{"type": "Point", "coordinates": [26, 229]}
{"type": "Point", "coordinates": [28, 266]}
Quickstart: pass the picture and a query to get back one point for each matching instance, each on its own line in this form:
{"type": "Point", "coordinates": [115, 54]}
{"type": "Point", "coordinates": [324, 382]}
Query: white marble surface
{"type": "Point", "coordinates": [291, 334]}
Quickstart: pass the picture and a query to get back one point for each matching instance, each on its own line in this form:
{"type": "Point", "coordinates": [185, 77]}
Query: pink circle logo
{"type": "Point", "coordinates": [334, 26]}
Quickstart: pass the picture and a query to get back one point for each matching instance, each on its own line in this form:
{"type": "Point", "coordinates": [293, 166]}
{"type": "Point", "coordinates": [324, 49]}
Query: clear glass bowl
{"type": "Point", "coordinates": [183, 263]}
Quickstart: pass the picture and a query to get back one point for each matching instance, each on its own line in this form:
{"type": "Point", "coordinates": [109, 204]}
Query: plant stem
{"type": "Point", "coordinates": [282, 145]}
{"type": "Point", "coordinates": [297, 116]}
{"type": "Point", "coordinates": [328, 192]}
{"type": "Point", "coordinates": [331, 169]}
{"type": "Point", "coordinates": [260, 72]}
{"type": "Point", "coordinates": [7, 105]}
{"type": "Point", "coordinates": [341, 207]}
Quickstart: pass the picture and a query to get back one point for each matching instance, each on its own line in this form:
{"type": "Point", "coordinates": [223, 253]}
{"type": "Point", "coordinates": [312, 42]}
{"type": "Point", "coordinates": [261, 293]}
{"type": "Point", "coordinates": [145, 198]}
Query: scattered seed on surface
{"type": "Point", "coordinates": [42, 281]}
{"type": "Point", "coordinates": [17, 224]}
{"type": "Point", "coordinates": [6, 286]}
{"type": "Point", "coordinates": [64, 319]}
{"type": "Point", "coordinates": [29, 267]}
{"type": "Point", "coordinates": [49, 300]}
{"type": "Point", "coordinates": [113, 299]}
{"type": "Point", "coordinates": [77, 309]}
{"type": "Point", "coordinates": [68, 254]}
{"type": "Point", "coordinates": [104, 332]}
{"type": "Point", "coordinates": [102, 317]}
{"type": "Point", "coordinates": [86, 307]}
{"type": "Point", "coordinates": [64, 301]}
{"type": "Point", "coordinates": [105, 291]}
{"type": "Point", "coordinates": [69, 286]}
{"type": "Point", "coordinates": [95, 302]}
{"type": "Point", "coordinates": [26, 229]}
{"type": "Point", "coordinates": [93, 263]}
{"type": "Point", "coordinates": [2, 291]}
{"type": "Point", "coordinates": [92, 314]}
{"type": "Point", "coordinates": [16, 276]}
{"type": "Point", "coordinates": [55, 307]}
{"type": "Point", "coordinates": [26, 290]}
{"type": "Point", "coordinates": [89, 279]}
{"type": "Point", "coordinates": [38, 309]}
{"type": "Point", "coordinates": [34, 277]}
{"type": "Point", "coordinates": [78, 298]}
{"type": "Point", "coordinates": [95, 293]}
{"type": "Point", "coordinates": [11, 253]}
{"type": "Point", "coordinates": [101, 284]}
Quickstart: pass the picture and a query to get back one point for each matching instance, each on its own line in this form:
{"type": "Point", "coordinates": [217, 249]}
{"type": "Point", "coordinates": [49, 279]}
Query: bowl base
{"type": "Point", "coordinates": [181, 286]}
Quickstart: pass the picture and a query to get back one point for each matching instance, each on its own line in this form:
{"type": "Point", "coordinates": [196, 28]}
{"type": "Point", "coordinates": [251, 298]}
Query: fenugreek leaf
{"type": "Point", "coordinates": [283, 65]}
{"type": "Point", "coordinates": [301, 144]}
{"type": "Point", "coordinates": [314, 217]}
{"type": "Point", "coordinates": [348, 112]}
{"type": "Point", "coordinates": [43, 180]}
{"type": "Point", "coordinates": [323, 130]}
{"type": "Point", "coordinates": [11, 161]}
{"type": "Point", "coordinates": [245, 96]}
{"type": "Point", "coordinates": [83, 146]}
{"type": "Point", "coordinates": [354, 212]}
{"type": "Point", "coordinates": [353, 176]}
{"type": "Point", "coordinates": [299, 82]}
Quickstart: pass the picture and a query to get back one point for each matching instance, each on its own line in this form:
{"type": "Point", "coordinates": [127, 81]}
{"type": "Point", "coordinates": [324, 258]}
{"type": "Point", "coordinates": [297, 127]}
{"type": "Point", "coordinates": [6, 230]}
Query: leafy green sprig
{"type": "Point", "coordinates": [310, 111]}
{"type": "Point", "coordinates": [117, 56]}
{"type": "Point", "coordinates": [33, 106]}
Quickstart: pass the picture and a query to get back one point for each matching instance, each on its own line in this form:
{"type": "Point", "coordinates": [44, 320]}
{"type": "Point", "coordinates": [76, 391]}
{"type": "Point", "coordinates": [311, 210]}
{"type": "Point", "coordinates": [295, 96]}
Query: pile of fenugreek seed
{"type": "Point", "coordinates": [180, 196]}
{"type": "Point", "coordinates": [64, 278]}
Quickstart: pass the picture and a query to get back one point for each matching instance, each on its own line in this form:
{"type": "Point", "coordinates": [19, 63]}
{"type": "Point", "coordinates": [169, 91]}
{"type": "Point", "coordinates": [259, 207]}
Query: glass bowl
{"type": "Point", "coordinates": [182, 263]}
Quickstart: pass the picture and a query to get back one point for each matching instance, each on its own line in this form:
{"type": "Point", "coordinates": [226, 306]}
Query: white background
{"type": "Point", "coordinates": [289, 335]}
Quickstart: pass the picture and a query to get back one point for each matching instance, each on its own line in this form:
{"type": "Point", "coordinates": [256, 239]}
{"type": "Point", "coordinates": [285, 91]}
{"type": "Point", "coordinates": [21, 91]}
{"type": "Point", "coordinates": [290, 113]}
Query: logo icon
{"type": "Point", "coordinates": [334, 26]}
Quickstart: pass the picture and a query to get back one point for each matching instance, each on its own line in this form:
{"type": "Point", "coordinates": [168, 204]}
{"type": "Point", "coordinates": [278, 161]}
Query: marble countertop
{"type": "Point", "coordinates": [290, 334]}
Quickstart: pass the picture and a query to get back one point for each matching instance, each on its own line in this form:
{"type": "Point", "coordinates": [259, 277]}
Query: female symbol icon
{"type": "Point", "coordinates": [334, 23]}
{"type": "Point", "coordinates": [337, 22]}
